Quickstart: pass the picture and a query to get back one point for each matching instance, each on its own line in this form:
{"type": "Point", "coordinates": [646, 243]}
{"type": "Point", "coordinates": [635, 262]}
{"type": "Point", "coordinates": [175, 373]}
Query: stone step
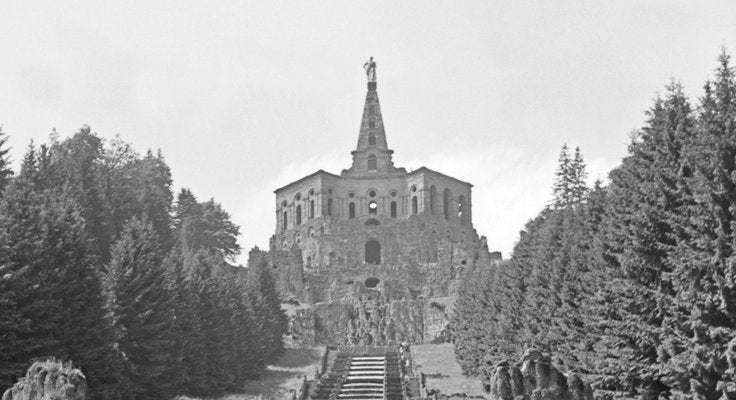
{"type": "Point", "coordinates": [364, 384]}
{"type": "Point", "coordinates": [366, 377]}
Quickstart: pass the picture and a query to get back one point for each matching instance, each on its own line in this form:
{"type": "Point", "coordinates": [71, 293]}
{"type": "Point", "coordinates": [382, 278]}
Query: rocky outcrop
{"type": "Point", "coordinates": [535, 378]}
{"type": "Point", "coordinates": [47, 380]}
{"type": "Point", "coordinates": [368, 322]}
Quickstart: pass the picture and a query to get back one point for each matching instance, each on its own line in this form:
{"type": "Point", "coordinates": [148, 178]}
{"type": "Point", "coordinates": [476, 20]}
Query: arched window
{"type": "Point", "coordinates": [461, 209]}
{"type": "Point", "coordinates": [432, 199]}
{"type": "Point", "coordinates": [372, 109]}
{"type": "Point", "coordinates": [373, 252]}
{"type": "Point", "coordinates": [373, 207]}
{"type": "Point", "coordinates": [299, 214]}
{"type": "Point", "coordinates": [371, 139]}
{"type": "Point", "coordinates": [414, 205]}
{"type": "Point", "coordinates": [372, 163]}
{"type": "Point", "coordinates": [351, 210]}
{"type": "Point", "coordinates": [446, 203]}
{"type": "Point", "coordinates": [329, 207]}
{"type": "Point", "coordinates": [311, 209]}
{"type": "Point", "coordinates": [285, 221]}
{"type": "Point", "coordinates": [372, 124]}
{"type": "Point", "coordinates": [393, 209]}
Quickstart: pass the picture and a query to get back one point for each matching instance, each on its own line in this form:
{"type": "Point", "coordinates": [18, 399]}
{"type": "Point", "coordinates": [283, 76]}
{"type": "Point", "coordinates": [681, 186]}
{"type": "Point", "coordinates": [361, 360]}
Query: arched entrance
{"type": "Point", "coordinates": [373, 252]}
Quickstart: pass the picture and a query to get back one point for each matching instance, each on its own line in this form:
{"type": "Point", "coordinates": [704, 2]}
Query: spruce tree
{"type": "Point", "coordinates": [141, 307]}
{"type": "Point", "coordinates": [52, 288]}
{"type": "Point", "coordinates": [702, 313]}
{"type": "Point", "coordinates": [6, 171]}
{"type": "Point", "coordinates": [569, 188]}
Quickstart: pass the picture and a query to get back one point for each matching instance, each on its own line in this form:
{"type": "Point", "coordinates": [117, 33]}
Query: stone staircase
{"type": "Point", "coordinates": [363, 373]}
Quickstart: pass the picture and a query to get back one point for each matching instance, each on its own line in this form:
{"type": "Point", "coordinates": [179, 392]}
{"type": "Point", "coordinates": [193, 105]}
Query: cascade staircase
{"type": "Point", "coordinates": [363, 373]}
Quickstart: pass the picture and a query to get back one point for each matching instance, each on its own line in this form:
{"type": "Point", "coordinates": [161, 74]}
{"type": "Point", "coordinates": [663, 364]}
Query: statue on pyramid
{"type": "Point", "coordinates": [370, 70]}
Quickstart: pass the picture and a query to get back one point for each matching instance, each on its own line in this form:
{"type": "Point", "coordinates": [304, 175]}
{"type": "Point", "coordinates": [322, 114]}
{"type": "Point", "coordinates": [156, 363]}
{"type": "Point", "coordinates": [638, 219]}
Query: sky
{"type": "Point", "coordinates": [243, 97]}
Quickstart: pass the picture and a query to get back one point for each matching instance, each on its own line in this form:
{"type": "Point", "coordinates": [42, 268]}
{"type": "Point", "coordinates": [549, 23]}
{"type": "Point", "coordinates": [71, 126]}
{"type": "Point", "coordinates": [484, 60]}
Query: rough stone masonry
{"type": "Point", "coordinates": [373, 255]}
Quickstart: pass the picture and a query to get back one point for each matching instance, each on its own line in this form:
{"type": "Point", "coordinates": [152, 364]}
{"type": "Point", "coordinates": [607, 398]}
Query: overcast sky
{"type": "Point", "coordinates": [244, 97]}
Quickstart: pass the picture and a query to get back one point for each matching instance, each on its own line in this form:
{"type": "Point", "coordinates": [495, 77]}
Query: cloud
{"type": "Point", "coordinates": [257, 213]}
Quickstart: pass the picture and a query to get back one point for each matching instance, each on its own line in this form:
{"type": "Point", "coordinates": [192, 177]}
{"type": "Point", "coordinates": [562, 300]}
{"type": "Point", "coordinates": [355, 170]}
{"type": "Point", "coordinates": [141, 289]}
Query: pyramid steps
{"type": "Point", "coordinates": [363, 373]}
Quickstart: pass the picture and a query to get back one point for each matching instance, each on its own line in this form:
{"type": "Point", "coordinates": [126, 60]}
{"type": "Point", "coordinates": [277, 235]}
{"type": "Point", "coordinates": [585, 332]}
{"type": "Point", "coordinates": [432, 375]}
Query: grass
{"type": "Point", "coordinates": [443, 373]}
{"type": "Point", "coordinates": [280, 378]}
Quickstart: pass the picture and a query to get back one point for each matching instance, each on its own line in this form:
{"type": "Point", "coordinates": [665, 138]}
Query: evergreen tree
{"type": "Point", "coordinates": [570, 185]}
{"type": "Point", "coordinates": [6, 171]}
{"type": "Point", "coordinates": [51, 289]}
{"type": "Point", "coordinates": [141, 308]}
{"type": "Point", "coordinates": [205, 226]}
{"type": "Point", "coordinates": [701, 316]}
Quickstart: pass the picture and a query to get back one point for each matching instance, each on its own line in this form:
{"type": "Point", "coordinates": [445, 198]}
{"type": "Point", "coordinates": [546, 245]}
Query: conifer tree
{"type": "Point", "coordinates": [6, 171]}
{"type": "Point", "coordinates": [570, 185]}
{"type": "Point", "coordinates": [50, 285]}
{"type": "Point", "coordinates": [141, 308]}
{"type": "Point", "coordinates": [702, 278]}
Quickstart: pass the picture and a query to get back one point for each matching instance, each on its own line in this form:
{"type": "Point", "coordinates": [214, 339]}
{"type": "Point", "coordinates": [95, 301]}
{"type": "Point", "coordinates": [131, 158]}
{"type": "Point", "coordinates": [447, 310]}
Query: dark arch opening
{"type": "Point", "coordinates": [351, 210]}
{"type": "Point", "coordinates": [414, 205]}
{"type": "Point", "coordinates": [432, 199]}
{"type": "Point", "coordinates": [372, 282]}
{"type": "Point", "coordinates": [372, 222]}
{"type": "Point", "coordinates": [298, 215]}
{"type": "Point", "coordinates": [373, 252]}
{"type": "Point", "coordinates": [461, 214]}
{"type": "Point", "coordinates": [393, 209]}
{"type": "Point", "coordinates": [372, 163]}
{"type": "Point", "coordinates": [446, 203]}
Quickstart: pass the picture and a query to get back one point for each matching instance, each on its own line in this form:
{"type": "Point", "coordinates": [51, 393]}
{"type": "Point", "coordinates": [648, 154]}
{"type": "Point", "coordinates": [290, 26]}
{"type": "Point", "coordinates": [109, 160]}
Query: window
{"type": "Point", "coordinates": [372, 208]}
{"type": "Point", "coordinates": [446, 203]}
{"type": "Point", "coordinates": [372, 109]}
{"type": "Point", "coordinates": [371, 139]}
{"type": "Point", "coordinates": [351, 210]}
{"type": "Point", "coordinates": [414, 205]}
{"type": "Point", "coordinates": [329, 207]}
{"type": "Point", "coordinates": [299, 214]}
{"type": "Point", "coordinates": [461, 214]}
{"type": "Point", "coordinates": [285, 221]}
{"type": "Point", "coordinates": [372, 163]}
{"type": "Point", "coordinates": [372, 282]}
{"type": "Point", "coordinates": [311, 209]}
{"type": "Point", "coordinates": [432, 198]}
{"type": "Point", "coordinates": [372, 193]}
{"type": "Point", "coordinates": [393, 209]}
{"type": "Point", "coordinates": [372, 124]}
{"type": "Point", "coordinates": [372, 252]}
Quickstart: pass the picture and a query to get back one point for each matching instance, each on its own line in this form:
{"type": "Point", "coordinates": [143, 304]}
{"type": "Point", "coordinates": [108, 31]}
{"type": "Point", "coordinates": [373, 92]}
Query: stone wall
{"type": "Point", "coordinates": [47, 380]}
{"type": "Point", "coordinates": [370, 321]}
{"type": "Point", "coordinates": [421, 257]}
